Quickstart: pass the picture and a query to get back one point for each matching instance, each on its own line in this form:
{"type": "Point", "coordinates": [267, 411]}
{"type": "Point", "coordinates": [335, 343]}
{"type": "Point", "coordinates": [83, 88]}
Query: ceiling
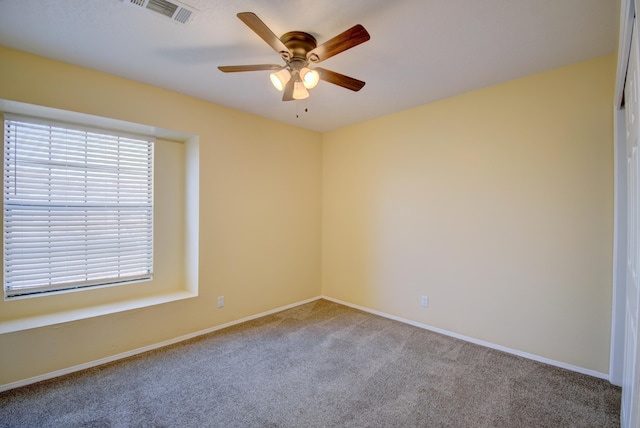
{"type": "Point", "coordinates": [420, 50]}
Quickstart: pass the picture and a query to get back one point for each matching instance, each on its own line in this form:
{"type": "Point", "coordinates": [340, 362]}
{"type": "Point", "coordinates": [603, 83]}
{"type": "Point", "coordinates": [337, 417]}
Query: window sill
{"type": "Point", "coordinates": [90, 312]}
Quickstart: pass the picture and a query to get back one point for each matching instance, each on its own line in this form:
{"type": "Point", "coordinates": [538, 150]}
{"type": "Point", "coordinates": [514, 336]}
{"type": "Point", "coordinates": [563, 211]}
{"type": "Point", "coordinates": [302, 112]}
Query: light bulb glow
{"type": "Point", "coordinates": [280, 78]}
{"type": "Point", "coordinates": [310, 78]}
{"type": "Point", "coordinates": [299, 91]}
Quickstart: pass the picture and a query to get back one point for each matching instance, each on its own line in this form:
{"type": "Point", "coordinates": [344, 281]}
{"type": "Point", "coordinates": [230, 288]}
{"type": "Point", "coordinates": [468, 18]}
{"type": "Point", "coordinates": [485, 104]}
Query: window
{"type": "Point", "coordinates": [78, 207]}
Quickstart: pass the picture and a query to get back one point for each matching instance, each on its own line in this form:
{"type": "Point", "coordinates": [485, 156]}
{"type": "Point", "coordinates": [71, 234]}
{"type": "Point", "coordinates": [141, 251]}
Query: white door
{"type": "Point", "coordinates": [631, 375]}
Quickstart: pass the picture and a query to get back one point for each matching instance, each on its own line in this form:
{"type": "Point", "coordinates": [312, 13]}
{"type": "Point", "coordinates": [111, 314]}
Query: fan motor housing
{"type": "Point", "coordinates": [299, 43]}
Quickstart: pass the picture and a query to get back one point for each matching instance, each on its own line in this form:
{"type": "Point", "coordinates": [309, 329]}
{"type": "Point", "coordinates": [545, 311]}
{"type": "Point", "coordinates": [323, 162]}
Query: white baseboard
{"type": "Point", "coordinates": [133, 352]}
{"type": "Point", "coordinates": [476, 341]}
{"type": "Point", "coordinates": [137, 351]}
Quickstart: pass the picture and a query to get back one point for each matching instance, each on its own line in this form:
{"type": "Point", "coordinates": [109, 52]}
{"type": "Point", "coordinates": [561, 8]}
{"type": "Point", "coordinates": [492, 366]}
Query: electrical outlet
{"type": "Point", "coordinates": [425, 302]}
{"type": "Point", "coordinates": [220, 301]}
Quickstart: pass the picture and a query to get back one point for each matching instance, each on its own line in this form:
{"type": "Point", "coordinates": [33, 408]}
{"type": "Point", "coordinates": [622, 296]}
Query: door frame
{"type": "Point", "coordinates": [616, 359]}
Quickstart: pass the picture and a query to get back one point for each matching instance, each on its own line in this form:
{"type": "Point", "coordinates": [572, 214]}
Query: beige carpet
{"type": "Point", "coordinates": [318, 365]}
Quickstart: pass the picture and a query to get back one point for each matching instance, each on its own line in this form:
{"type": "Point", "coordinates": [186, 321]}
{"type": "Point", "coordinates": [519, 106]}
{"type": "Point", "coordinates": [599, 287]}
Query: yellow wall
{"type": "Point", "coordinates": [260, 214]}
{"type": "Point", "coordinates": [496, 204]}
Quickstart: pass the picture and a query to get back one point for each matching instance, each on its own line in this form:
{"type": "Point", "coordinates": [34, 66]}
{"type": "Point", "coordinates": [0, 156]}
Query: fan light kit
{"type": "Point", "coordinates": [299, 50]}
{"type": "Point", "coordinates": [308, 80]}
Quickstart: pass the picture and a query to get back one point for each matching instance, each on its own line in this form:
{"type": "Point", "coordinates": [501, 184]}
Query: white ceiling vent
{"type": "Point", "coordinates": [170, 9]}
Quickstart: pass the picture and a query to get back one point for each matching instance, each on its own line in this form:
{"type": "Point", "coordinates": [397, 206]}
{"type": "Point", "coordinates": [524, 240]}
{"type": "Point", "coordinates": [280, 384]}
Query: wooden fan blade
{"type": "Point", "coordinates": [340, 43]}
{"type": "Point", "coordinates": [255, 67]}
{"type": "Point", "coordinates": [339, 79]}
{"type": "Point", "coordinates": [288, 91]}
{"type": "Point", "coordinates": [260, 28]}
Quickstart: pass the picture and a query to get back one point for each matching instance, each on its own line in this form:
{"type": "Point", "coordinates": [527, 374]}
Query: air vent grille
{"type": "Point", "coordinates": [166, 8]}
{"type": "Point", "coordinates": [163, 7]}
{"type": "Point", "coordinates": [182, 15]}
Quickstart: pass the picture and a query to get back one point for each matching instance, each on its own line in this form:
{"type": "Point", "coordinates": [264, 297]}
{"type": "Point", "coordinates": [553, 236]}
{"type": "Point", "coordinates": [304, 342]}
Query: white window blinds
{"type": "Point", "coordinates": [78, 207]}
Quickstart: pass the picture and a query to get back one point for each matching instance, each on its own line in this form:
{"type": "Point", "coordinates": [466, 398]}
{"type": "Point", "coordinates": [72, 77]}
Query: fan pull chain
{"type": "Point", "coordinates": [306, 109]}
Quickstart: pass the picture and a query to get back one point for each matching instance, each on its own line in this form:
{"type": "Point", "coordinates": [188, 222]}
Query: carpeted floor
{"type": "Point", "coordinates": [317, 365]}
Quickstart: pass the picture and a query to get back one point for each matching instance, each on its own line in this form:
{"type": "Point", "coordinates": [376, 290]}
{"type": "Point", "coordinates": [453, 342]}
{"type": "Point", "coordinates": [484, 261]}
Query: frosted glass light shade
{"type": "Point", "coordinates": [280, 78]}
{"type": "Point", "coordinates": [299, 91]}
{"type": "Point", "coordinates": [310, 78]}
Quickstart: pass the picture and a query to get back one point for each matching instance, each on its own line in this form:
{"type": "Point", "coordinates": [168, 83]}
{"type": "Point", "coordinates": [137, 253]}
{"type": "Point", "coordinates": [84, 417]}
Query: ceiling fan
{"type": "Point", "coordinates": [299, 50]}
